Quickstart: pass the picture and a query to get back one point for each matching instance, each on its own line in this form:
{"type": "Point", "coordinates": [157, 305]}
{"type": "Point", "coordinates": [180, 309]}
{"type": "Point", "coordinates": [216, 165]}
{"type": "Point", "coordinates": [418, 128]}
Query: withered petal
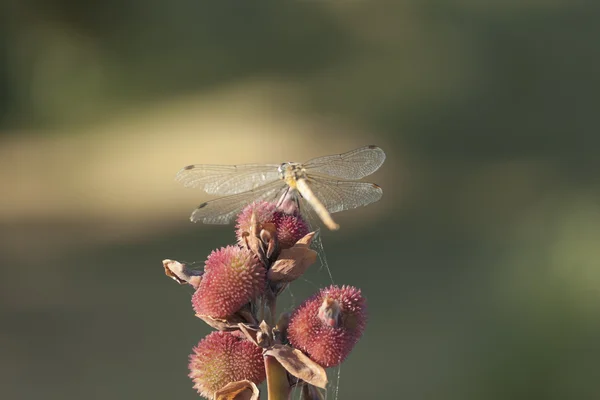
{"type": "Point", "coordinates": [249, 331]}
{"type": "Point", "coordinates": [230, 323]}
{"type": "Point", "coordinates": [240, 390]}
{"type": "Point", "coordinates": [291, 264]}
{"type": "Point", "coordinates": [181, 274]}
{"type": "Point", "coordinates": [306, 240]}
{"type": "Point", "coordinates": [299, 365]}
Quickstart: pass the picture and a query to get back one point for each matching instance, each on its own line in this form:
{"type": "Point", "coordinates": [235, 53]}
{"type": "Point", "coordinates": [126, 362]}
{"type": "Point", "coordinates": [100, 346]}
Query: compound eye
{"type": "Point", "coordinates": [281, 169]}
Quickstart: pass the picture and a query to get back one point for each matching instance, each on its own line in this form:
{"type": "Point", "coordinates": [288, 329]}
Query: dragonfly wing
{"type": "Point", "coordinates": [227, 179]}
{"type": "Point", "coordinates": [224, 209]}
{"type": "Point", "coordinates": [338, 195]}
{"type": "Point", "coordinates": [355, 164]}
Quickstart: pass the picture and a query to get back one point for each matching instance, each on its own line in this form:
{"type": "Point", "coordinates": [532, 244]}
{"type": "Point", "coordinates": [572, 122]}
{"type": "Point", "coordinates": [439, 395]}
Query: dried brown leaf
{"type": "Point", "coordinates": [246, 315]}
{"type": "Point", "coordinates": [250, 332]}
{"type": "Point", "coordinates": [272, 248]}
{"type": "Point", "coordinates": [219, 324]}
{"type": "Point", "coordinates": [256, 246]}
{"type": "Point", "coordinates": [292, 263]}
{"type": "Point", "coordinates": [225, 324]}
{"type": "Point", "coordinates": [264, 337]}
{"type": "Point", "coordinates": [241, 390]}
{"type": "Point", "coordinates": [268, 231]}
{"type": "Point", "coordinates": [181, 274]}
{"type": "Point", "coordinates": [306, 240]}
{"type": "Point", "coordinates": [299, 365]}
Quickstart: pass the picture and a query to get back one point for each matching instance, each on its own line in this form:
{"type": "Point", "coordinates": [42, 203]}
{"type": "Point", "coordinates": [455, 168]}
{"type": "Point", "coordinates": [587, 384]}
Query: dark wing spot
{"type": "Point", "coordinates": [188, 167]}
{"type": "Point", "coordinates": [372, 146]}
{"type": "Point", "coordinates": [376, 186]}
{"type": "Point", "coordinates": [203, 205]}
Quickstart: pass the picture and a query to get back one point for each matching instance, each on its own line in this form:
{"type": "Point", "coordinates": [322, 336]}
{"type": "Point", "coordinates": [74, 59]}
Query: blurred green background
{"type": "Point", "coordinates": [480, 264]}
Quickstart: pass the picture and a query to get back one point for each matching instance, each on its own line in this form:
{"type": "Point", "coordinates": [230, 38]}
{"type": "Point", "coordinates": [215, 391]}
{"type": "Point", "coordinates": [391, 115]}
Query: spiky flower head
{"type": "Point", "coordinates": [232, 277]}
{"type": "Point", "coordinates": [224, 357]}
{"type": "Point", "coordinates": [264, 212]}
{"type": "Point", "coordinates": [289, 227]}
{"type": "Point", "coordinates": [328, 325]}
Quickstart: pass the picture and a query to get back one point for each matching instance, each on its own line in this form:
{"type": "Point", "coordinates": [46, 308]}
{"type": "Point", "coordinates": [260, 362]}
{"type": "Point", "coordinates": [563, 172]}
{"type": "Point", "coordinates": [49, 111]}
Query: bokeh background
{"type": "Point", "coordinates": [480, 264]}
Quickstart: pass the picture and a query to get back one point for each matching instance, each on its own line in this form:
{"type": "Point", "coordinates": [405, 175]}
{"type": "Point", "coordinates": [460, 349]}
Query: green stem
{"type": "Point", "coordinates": [277, 380]}
{"type": "Point", "coordinates": [271, 305]}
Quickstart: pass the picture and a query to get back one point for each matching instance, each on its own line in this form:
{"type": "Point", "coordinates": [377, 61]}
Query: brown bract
{"type": "Point", "coordinates": [293, 262]}
{"type": "Point", "coordinates": [268, 235]}
{"type": "Point", "coordinates": [250, 331]}
{"type": "Point", "coordinates": [299, 365]}
{"type": "Point", "coordinates": [264, 337]}
{"type": "Point", "coordinates": [240, 390]}
{"type": "Point", "coordinates": [181, 274]}
{"type": "Point", "coordinates": [261, 240]}
{"type": "Point", "coordinates": [232, 322]}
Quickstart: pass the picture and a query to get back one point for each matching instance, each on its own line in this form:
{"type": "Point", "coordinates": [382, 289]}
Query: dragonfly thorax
{"type": "Point", "coordinates": [290, 172]}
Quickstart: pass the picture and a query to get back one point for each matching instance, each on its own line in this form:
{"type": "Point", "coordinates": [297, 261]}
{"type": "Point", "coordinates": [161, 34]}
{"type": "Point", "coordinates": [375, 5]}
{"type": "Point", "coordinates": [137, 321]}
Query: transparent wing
{"type": "Point", "coordinates": [355, 164]}
{"type": "Point", "coordinates": [227, 179]}
{"type": "Point", "coordinates": [224, 209]}
{"type": "Point", "coordinates": [337, 195]}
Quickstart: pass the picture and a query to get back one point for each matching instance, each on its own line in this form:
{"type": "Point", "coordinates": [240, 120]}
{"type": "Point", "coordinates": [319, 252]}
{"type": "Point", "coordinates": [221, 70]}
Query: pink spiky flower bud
{"type": "Point", "coordinates": [232, 278]}
{"type": "Point", "coordinates": [329, 324]}
{"type": "Point", "coordinates": [223, 357]}
{"type": "Point", "coordinates": [264, 212]}
{"type": "Point", "coordinates": [289, 227]}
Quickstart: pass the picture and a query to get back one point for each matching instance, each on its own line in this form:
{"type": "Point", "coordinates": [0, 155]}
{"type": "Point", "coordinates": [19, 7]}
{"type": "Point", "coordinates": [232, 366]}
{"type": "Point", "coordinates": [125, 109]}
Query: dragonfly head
{"type": "Point", "coordinates": [281, 170]}
{"type": "Point", "coordinates": [290, 172]}
{"type": "Point", "coordinates": [285, 169]}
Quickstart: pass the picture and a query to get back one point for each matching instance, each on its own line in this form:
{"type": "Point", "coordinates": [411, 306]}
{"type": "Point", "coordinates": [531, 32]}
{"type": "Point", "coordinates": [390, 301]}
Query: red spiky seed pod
{"type": "Point", "coordinates": [224, 357]}
{"type": "Point", "coordinates": [290, 227]}
{"type": "Point", "coordinates": [329, 324]}
{"type": "Point", "coordinates": [232, 278]}
{"type": "Point", "coordinates": [264, 212]}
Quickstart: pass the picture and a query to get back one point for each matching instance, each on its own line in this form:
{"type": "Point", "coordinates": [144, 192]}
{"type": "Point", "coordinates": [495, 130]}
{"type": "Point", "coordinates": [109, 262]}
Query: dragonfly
{"type": "Point", "coordinates": [326, 184]}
